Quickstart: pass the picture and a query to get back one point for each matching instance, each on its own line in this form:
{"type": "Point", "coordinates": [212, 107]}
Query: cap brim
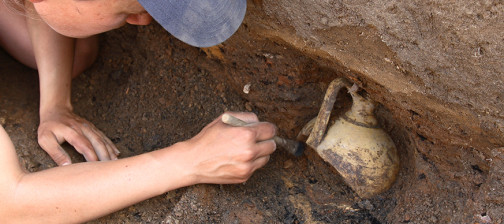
{"type": "Point", "coordinates": [200, 23]}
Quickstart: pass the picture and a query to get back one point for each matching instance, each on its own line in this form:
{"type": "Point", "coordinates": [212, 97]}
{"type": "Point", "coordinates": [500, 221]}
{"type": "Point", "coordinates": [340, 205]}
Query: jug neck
{"type": "Point", "coordinates": [362, 111]}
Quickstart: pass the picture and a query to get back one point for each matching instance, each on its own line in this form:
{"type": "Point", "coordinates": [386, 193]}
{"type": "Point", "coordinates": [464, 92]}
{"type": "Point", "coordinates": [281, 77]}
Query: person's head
{"type": "Point", "coordinates": [200, 23]}
{"type": "Point", "coordinates": [82, 18]}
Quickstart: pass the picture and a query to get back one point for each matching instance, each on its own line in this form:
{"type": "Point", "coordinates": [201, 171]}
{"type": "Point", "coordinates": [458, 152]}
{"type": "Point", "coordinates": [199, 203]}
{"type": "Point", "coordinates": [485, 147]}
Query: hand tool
{"type": "Point", "coordinates": [293, 147]}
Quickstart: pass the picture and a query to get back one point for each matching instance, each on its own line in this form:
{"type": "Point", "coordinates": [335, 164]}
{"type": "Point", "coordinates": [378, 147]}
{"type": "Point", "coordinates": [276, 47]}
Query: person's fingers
{"type": "Point", "coordinates": [260, 162]}
{"type": "Point", "coordinates": [112, 153]}
{"type": "Point", "coordinates": [263, 130]}
{"type": "Point", "coordinates": [265, 148]}
{"type": "Point", "coordinates": [111, 145]}
{"type": "Point", "coordinates": [96, 140]}
{"type": "Point", "coordinates": [111, 148]}
{"type": "Point", "coordinates": [49, 143]}
{"type": "Point", "coordinates": [81, 143]}
{"type": "Point", "coordinates": [244, 116]}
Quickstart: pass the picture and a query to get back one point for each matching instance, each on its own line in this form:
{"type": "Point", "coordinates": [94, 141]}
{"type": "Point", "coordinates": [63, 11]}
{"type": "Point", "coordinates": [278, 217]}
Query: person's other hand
{"type": "Point", "coordinates": [60, 125]}
{"type": "Point", "coordinates": [223, 154]}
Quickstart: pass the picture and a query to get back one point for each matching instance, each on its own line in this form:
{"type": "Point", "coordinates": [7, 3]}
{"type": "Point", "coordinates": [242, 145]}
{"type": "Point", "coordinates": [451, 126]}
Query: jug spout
{"type": "Point", "coordinates": [362, 111]}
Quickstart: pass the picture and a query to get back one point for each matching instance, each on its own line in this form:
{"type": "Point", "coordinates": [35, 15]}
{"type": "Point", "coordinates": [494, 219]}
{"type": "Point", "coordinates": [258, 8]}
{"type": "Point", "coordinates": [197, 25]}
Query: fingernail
{"type": "Point", "coordinates": [66, 164]}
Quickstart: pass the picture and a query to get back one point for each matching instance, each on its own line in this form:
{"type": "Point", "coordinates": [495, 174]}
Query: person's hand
{"type": "Point", "coordinates": [60, 125]}
{"type": "Point", "coordinates": [223, 154]}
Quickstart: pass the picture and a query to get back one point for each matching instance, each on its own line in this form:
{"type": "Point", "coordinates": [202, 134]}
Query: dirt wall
{"type": "Point", "coordinates": [435, 68]}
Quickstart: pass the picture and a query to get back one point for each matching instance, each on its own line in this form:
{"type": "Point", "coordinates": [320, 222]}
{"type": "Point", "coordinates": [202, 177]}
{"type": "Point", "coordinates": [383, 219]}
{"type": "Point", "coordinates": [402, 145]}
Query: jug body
{"type": "Point", "coordinates": [365, 156]}
{"type": "Point", "coordinates": [362, 153]}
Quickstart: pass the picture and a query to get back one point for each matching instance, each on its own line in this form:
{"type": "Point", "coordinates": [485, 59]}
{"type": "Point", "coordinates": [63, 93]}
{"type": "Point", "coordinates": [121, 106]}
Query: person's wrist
{"type": "Point", "coordinates": [179, 162]}
{"type": "Point", "coordinates": [48, 110]}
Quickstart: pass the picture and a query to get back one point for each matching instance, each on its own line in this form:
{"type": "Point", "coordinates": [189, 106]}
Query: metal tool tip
{"type": "Point", "coordinates": [299, 149]}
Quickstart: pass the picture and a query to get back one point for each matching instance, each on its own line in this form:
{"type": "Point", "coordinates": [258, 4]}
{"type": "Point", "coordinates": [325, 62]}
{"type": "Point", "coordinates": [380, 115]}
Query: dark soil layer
{"type": "Point", "coordinates": [148, 90]}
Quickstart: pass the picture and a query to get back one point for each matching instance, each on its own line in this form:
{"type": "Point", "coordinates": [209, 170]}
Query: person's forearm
{"type": "Point", "coordinates": [86, 191]}
{"type": "Point", "coordinates": [54, 54]}
{"type": "Point", "coordinates": [219, 154]}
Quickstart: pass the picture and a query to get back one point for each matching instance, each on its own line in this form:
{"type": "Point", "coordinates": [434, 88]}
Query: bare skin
{"type": "Point", "coordinates": [81, 19]}
{"type": "Point", "coordinates": [80, 192]}
{"type": "Point", "coordinates": [76, 193]}
{"type": "Point", "coordinates": [58, 59]}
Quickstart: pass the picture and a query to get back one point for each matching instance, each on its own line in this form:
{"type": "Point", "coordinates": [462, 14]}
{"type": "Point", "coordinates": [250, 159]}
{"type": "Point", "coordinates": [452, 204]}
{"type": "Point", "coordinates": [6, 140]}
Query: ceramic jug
{"type": "Point", "coordinates": [355, 145]}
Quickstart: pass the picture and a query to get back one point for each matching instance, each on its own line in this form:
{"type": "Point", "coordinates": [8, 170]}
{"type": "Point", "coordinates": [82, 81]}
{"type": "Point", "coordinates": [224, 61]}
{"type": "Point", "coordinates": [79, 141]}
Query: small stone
{"type": "Point", "coordinates": [248, 106]}
{"type": "Point", "coordinates": [407, 218]}
{"type": "Point", "coordinates": [246, 88]}
{"type": "Point", "coordinates": [324, 21]}
{"type": "Point", "coordinates": [366, 204]}
{"type": "Point", "coordinates": [171, 194]}
{"type": "Point", "coordinates": [288, 164]}
{"type": "Point", "coordinates": [220, 87]}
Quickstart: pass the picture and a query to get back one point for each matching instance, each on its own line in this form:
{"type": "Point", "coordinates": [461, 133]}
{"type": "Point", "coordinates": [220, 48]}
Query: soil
{"type": "Point", "coordinates": [148, 90]}
{"type": "Point", "coordinates": [145, 99]}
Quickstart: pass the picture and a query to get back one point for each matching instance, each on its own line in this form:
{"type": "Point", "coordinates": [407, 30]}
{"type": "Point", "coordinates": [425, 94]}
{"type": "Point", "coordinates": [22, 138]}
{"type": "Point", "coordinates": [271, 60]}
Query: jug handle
{"type": "Point", "coordinates": [324, 114]}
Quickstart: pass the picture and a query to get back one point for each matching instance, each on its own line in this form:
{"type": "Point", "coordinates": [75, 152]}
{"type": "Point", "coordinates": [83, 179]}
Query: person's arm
{"type": "Point", "coordinates": [54, 56]}
{"type": "Point", "coordinates": [80, 192]}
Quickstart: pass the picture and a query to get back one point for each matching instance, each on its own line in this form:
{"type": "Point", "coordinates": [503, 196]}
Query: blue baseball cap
{"type": "Point", "coordinates": [200, 23]}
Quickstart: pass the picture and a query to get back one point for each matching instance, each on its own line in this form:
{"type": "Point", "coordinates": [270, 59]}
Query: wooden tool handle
{"type": "Point", "coordinates": [294, 147]}
{"type": "Point", "coordinates": [233, 121]}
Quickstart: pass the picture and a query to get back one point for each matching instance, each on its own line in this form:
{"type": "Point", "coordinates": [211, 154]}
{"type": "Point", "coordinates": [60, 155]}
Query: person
{"type": "Point", "coordinates": [57, 39]}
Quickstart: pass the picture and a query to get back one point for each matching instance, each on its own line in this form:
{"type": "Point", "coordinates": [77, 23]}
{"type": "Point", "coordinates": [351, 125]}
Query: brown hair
{"type": "Point", "coordinates": [21, 7]}
{"type": "Point", "coordinates": [15, 5]}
